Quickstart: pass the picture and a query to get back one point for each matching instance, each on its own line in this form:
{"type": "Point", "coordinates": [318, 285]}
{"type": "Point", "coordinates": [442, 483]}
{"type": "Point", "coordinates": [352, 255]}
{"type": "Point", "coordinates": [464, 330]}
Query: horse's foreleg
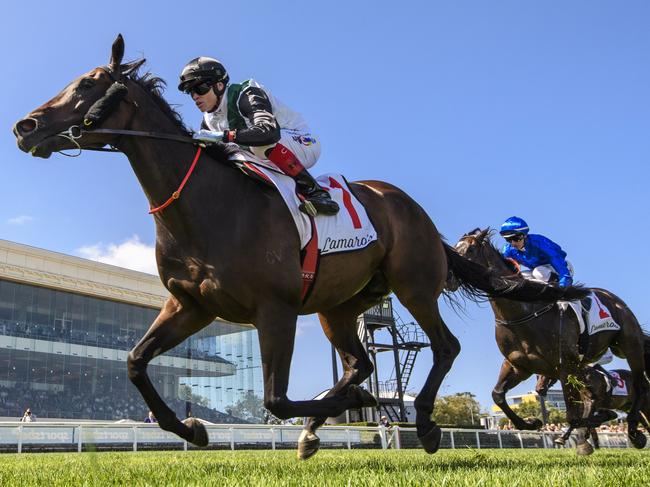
{"type": "Point", "coordinates": [509, 377]}
{"type": "Point", "coordinates": [578, 411]}
{"type": "Point", "coordinates": [173, 325]}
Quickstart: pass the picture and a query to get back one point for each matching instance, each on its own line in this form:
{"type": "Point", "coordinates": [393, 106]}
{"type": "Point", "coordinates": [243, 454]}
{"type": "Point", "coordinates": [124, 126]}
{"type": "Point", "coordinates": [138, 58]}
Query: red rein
{"type": "Point", "coordinates": [177, 194]}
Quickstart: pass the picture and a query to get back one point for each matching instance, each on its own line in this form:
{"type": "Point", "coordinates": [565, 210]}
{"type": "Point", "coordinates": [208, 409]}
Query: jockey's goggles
{"type": "Point", "coordinates": [514, 238]}
{"type": "Point", "coordinates": [200, 88]}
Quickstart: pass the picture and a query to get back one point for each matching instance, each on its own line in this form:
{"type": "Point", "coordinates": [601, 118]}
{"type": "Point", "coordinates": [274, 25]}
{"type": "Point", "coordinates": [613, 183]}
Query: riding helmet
{"type": "Point", "coordinates": [513, 226]}
{"type": "Point", "coordinates": [202, 70]}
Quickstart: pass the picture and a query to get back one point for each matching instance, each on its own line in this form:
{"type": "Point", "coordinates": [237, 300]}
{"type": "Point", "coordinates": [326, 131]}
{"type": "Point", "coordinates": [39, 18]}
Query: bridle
{"type": "Point", "coordinates": [101, 109]}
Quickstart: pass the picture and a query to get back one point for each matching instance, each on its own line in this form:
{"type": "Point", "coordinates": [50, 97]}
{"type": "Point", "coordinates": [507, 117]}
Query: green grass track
{"type": "Point", "coordinates": [539, 468]}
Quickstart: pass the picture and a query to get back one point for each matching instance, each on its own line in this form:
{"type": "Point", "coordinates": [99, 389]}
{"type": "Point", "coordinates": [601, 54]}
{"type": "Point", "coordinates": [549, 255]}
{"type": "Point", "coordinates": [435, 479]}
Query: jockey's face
{"type": "Point", "coordinates": [209, 101]}
{"type": "Point", "coordinates": [518, 241]}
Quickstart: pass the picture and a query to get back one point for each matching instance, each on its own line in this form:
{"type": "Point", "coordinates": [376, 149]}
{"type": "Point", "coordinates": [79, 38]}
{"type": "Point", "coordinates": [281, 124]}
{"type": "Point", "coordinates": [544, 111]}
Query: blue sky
{"type": "Point", "coordinates": [479, 110]}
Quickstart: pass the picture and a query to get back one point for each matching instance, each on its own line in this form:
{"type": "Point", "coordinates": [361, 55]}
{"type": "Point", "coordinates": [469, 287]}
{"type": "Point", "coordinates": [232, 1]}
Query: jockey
{"type": "Point", "coordinates": [540, 254]}
{"type": "Point", "coordinates": [250, 116]}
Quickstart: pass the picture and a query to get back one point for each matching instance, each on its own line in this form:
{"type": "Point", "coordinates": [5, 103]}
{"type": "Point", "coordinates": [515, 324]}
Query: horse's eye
{"type": "Point", "coordinates": [86, 83]}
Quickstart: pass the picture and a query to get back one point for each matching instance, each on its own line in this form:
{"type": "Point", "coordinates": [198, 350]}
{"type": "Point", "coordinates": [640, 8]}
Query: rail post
{"type": "Point", "coordinates": [135, 438]}
{"type": "Point", "coordinates": [80, 433]}
{"type": "Point", "coordinates": [451, 436]}
{"type": "Point", "coordinates": [382, 436]}
{"type": "Point", "coordinates": [397, 441]}
{"type": "Point", "coordinates": [521, 441]}
{"type": "Point", "coordinates": [20, 438]}
{"type": "Point", "coordinates": [499, 438]}
{"type": "Point", "coordinates": [478, 441]}
{"type": "Point", "coordinates": [232, 438]}
{"type": "Point", "coordinates": [347, 435]}
{"type": "Point", "coordinates": [273, 439]}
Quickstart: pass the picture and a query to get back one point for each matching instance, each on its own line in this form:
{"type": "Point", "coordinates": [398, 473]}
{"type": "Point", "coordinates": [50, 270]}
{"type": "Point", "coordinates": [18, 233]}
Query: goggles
{"type": "Point", "coordinates": [514, 238]}
{"type": "Point", "coordinates": [200, 89]}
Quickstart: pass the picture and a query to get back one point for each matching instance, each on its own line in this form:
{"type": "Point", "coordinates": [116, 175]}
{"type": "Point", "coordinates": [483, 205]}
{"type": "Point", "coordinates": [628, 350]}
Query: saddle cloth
{"type": "Point", "coordinates": [350, 229]}
{"type": "Point", "coordinates": [598, 316]}
{"type": "Point", "coordinates": [619, 387]}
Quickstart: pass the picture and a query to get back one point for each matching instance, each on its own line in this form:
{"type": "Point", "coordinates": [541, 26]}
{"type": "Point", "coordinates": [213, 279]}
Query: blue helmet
{"type": "Point", "coordinates": [513, 226]}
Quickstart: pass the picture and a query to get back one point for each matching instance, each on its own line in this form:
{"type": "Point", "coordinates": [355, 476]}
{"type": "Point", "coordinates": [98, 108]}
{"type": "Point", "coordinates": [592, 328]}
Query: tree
{"type": "Point", "coordinates": [250, 407]}
{"type": "Point", "coordinates": [185, 393]}
{"type": "Point", "coordinates": [457, 409]}
{"type": "Point", "coordinates": [532, 409]}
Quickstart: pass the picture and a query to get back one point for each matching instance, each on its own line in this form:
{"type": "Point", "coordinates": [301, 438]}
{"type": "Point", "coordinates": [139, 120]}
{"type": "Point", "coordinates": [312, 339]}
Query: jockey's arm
{"type": "Point", "coordinates": [255, 106]}
{"type": "Point", "coordinates": [558, 262]}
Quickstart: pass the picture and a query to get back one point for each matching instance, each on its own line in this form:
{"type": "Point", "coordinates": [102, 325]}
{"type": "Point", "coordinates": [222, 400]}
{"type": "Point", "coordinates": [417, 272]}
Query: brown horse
{"type": "Point", "coordinates": [228, 247]}
{"type": "Point", "coordinates": [538, 338]}
{"type": "Point", "coordinates": [601, 384]}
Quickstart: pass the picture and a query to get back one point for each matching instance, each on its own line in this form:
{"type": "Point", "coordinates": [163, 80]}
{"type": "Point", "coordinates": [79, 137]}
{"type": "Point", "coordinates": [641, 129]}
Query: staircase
{"type": "Point", "coordinates": [406, 340]}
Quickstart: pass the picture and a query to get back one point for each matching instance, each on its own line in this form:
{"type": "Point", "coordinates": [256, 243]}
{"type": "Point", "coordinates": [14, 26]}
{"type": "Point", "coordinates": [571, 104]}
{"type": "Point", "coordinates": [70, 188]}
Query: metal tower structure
{"type": "Point", "coordinates": [381, 330]}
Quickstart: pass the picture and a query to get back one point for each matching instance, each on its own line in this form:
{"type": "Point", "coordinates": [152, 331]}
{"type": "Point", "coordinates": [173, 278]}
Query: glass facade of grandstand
{"type": "Point", "coordinates": [64, 355]}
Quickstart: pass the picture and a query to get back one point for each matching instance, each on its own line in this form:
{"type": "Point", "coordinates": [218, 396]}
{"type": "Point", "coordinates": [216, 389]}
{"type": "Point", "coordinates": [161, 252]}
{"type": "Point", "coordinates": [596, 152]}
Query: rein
{"type": "Point", "coordinates": [526, 318]}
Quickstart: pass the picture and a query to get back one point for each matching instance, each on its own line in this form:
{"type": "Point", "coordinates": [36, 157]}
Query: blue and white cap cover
{"type": "Point", "coordinates": [513, 226]}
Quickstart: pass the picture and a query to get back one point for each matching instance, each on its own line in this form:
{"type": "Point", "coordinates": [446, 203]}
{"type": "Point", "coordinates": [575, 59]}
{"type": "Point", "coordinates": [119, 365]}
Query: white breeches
{"type": "Point", "coordinates": [304, 146]}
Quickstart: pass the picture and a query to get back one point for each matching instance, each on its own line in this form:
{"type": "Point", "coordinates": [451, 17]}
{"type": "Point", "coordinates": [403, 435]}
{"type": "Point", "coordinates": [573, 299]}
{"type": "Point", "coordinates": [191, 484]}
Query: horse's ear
{"type": "Point", "coordinates": [117, 53]}
{"type": "Point", "coordinates": [129, 68]}
{"type": "Point", "coordinates": [482, 234]}
{"type": "Point", "coordinates": [472, 233]}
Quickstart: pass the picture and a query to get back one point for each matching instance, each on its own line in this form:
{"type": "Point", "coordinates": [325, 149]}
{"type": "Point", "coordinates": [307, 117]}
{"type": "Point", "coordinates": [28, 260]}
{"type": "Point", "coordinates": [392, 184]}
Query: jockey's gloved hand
{"type": "Point", "coordinates": [209, 137]}
{"type": "Point", "coordinates": [566, 281]}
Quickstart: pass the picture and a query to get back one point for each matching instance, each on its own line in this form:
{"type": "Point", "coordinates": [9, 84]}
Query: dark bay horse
{"type": "Point", "coordinates": [538, 338]}
{"type": "Point", "coordinates": [605, 401]}
{"type": "Point", "coordinates": [228, 247]}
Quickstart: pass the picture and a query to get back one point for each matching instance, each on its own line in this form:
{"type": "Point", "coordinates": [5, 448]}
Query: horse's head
{"type": "Point", "coordinates": [477, 247]}
{"type": "Point", "coordinates": [92, 99]}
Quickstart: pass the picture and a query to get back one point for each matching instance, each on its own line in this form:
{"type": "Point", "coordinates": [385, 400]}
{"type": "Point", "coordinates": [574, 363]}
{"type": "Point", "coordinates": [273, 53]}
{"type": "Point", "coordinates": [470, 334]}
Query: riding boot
{"type": "Point", "coordinates": [317, 200]}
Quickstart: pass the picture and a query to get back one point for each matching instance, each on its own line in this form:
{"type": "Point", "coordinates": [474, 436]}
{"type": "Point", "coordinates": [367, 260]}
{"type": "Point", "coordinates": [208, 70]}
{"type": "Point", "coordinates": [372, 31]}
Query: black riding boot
{"type": "Point", "coordinates": [317, 200]}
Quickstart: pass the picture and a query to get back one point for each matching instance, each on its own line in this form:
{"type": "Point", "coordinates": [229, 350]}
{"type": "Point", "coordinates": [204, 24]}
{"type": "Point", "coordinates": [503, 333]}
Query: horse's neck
{"type": "Point", "coordinates": [510, 310]}
{"type": "Point", "coordinates": [161, 165]}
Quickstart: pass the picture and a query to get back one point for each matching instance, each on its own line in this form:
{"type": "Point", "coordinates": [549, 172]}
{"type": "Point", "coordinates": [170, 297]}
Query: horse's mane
{"type": "Point", "coordinates": [488, 238]}
{"type": "Point", "coordinates": [155, 87]}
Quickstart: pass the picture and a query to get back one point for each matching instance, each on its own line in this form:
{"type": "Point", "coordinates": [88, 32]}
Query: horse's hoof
{"type": "Point", "coordinates": [199, 433]}
{"type": "Point", "coordinates": [308, 445]}
{"type": "Point", "coordinates": [365, 399]}
{"type": "Point", "coordinates": [638, 440]}
{"type": "Point", "coordinates": [431, 440]}
{"type": "Point", "coordinates": [559, 441]}
{"type": "Point", "coordinates": [584, 449]}
{"type": "Point", "coordinates": [533, 424]}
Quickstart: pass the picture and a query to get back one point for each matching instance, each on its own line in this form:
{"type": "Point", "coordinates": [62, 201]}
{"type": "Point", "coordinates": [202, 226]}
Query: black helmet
{"type": "Point", "coordinates": [202, 70]}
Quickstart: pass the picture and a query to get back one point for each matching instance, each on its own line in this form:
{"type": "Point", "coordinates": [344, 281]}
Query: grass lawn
{"type": "Point", "coordinates": [539, 468]}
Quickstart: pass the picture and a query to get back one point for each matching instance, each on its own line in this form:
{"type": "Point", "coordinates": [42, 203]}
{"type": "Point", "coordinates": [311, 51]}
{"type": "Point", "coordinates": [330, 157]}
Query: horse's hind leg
{"type": "Point", "coordinates": [445, 348]}
{"type": "Point", "coordinates": [631, 345]}
{"type": "Point", "coordinates": [173, 325]}
{"type": "Point", "coordinates": [340, 327]}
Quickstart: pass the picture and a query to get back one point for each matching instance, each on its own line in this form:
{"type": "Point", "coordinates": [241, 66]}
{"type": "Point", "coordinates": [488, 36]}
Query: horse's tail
{"type": "Point", "coordinates": [479, 281]}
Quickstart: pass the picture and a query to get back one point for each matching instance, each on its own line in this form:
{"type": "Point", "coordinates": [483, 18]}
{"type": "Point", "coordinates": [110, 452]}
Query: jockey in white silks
{"type": "Point", "coordinates": [248, 115]}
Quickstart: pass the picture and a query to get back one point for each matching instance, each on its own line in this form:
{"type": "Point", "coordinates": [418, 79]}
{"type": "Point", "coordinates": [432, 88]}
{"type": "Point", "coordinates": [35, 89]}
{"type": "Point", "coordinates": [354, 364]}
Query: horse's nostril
{"type": "Point", "coordinates": [26, 126]}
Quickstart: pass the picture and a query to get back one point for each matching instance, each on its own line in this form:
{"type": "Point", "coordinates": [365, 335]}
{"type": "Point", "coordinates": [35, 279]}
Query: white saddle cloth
{"type": "Point", "coordinates": [350, 229]}
{"type": "Point", "coordinates": [599, 318]}
{"type": "Point", "coordinates": [619, 387]}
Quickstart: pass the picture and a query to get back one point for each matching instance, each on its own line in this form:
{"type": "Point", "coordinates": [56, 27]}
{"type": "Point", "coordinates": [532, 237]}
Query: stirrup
{"type": "Point", "coordinates": [308, 207]}
{"type": "Point", "coordinates": [313, 207]}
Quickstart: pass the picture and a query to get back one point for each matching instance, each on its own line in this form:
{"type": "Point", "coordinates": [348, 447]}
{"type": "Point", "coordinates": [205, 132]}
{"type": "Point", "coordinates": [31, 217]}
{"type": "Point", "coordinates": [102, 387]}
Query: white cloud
{"type": "Point", "coordinates": [306, 323]}
{"type": "Point", "coordinates": [132, 254]}
{"type": "Point", "coordinates": [20, 220]}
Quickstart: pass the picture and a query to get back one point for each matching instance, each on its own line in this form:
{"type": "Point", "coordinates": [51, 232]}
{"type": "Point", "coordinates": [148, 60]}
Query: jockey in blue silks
{"type": "Point", "coordinates": [541, 255]}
